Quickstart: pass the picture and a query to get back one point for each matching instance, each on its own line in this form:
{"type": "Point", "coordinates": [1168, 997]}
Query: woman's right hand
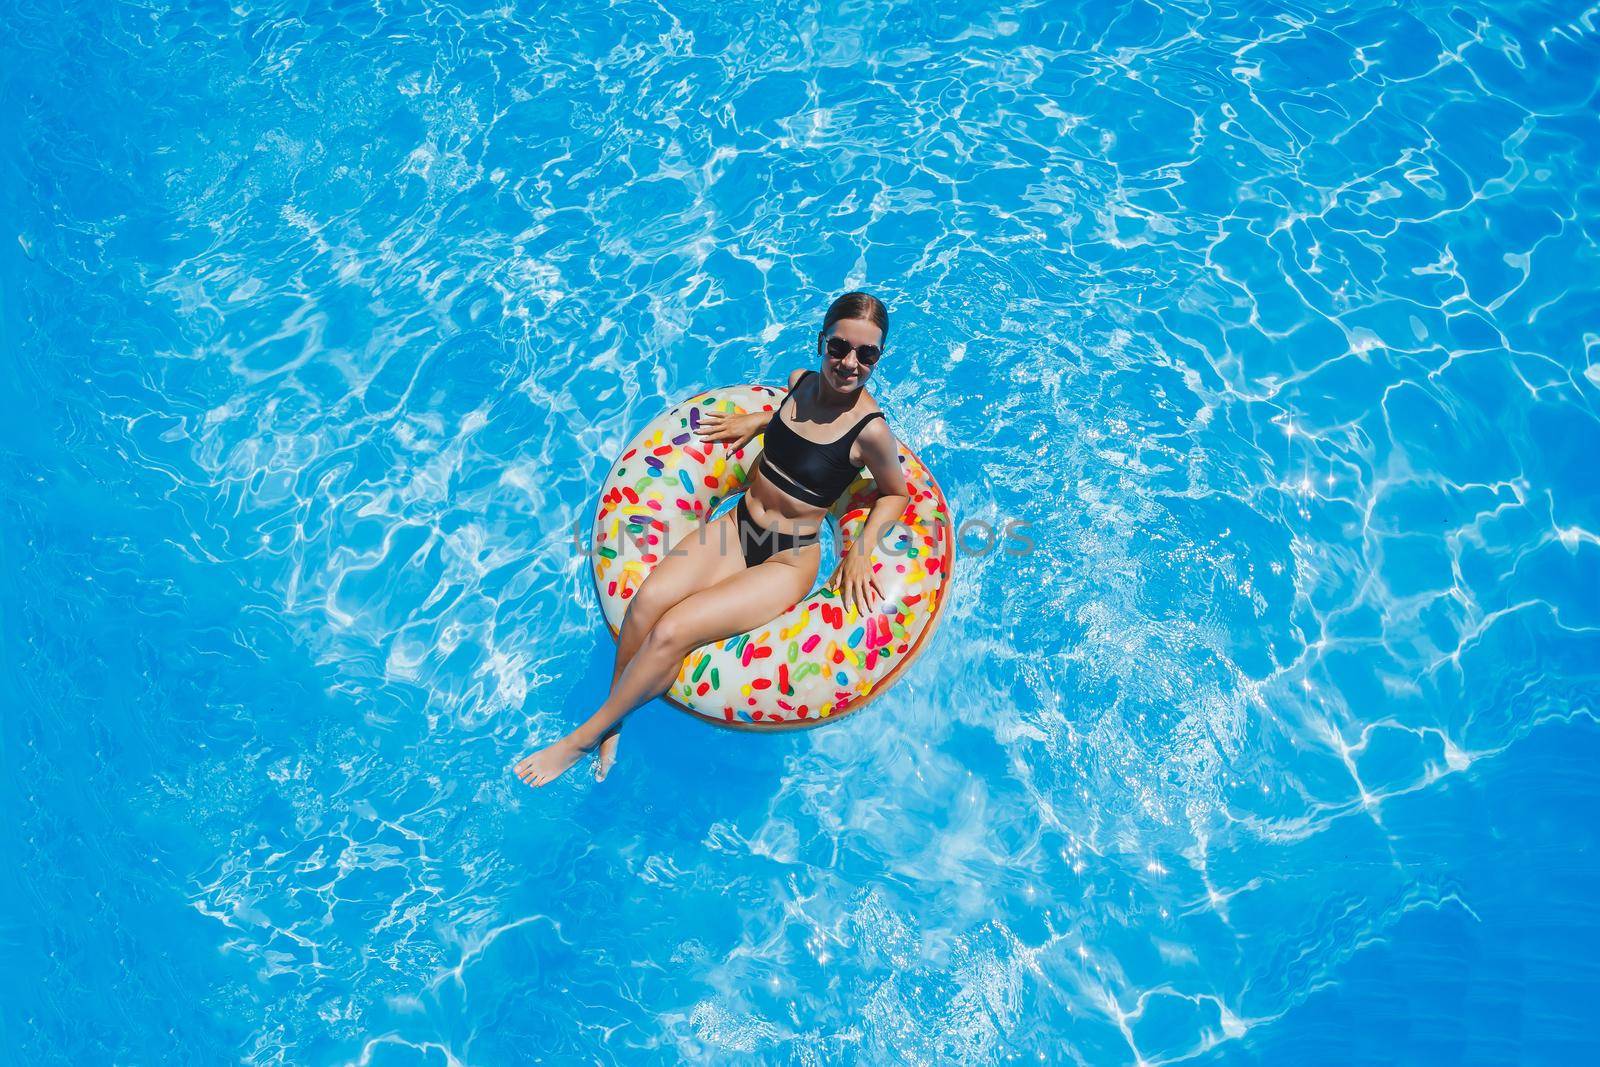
{"type": "Point", "coordinates": [736, 430]}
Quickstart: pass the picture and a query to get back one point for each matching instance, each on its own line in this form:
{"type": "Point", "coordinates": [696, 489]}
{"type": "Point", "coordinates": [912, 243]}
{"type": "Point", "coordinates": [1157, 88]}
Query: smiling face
{"type": "Point", "coordinates": [849, 373]}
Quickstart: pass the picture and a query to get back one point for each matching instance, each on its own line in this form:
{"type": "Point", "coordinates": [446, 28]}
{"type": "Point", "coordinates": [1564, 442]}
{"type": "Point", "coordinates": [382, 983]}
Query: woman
{"type": "Point", "coordinates": [706, 589]}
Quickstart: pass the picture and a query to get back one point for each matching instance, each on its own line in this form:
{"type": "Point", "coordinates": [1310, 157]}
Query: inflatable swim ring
{"type": "Point", "coordinates": [817, 660]}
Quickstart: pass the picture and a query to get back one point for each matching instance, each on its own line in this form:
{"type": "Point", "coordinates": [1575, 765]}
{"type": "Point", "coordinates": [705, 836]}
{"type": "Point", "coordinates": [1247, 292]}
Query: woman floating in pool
{"type": "Point", "coordinates": [713, 585]}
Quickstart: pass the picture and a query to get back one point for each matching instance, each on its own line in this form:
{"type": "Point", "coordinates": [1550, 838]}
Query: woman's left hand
{"type": "Point", "coordinates": [856, 582]}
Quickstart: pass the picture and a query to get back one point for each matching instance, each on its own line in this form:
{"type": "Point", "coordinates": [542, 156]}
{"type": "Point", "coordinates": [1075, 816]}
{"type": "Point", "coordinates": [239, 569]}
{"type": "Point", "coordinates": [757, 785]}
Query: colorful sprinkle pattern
{"type": "Point", "coordinates": [816, 660]}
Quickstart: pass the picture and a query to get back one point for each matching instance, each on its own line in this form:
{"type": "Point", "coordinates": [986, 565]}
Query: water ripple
{"type": "Point", "coordinates": [1267, 321]}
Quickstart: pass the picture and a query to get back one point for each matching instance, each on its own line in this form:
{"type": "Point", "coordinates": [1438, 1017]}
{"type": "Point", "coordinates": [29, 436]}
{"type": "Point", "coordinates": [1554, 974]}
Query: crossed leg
{"type": "Point", "coordinates": [700, 559]}
{"type": "Point", "coordinates": [741, 600]}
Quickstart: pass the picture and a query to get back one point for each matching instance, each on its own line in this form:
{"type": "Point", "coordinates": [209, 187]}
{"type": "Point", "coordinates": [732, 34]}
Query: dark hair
{"type": "Point", "coordinates": [857, 306]}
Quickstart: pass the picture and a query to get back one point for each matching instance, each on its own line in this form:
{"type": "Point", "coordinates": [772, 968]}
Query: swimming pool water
{"type": "Point", "coordinates": [1274, 322]}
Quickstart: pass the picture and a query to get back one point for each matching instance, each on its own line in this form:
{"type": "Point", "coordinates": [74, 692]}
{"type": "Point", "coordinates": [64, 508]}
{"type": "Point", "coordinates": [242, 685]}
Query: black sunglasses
{"type": "Point", "coordinates": [866, 355]}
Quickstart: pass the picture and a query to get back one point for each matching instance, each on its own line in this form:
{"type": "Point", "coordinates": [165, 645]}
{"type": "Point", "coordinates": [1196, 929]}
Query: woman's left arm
{"type": "Point", "coordinates": [855, 579]}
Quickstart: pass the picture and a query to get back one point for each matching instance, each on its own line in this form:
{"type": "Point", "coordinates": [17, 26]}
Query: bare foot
{"type": "Point", "coordinates": [608, 755]}
{"type": "Point", "coordinates": [549, 763]}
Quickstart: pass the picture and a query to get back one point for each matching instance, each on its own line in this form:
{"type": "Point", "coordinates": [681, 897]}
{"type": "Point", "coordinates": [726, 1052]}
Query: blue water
{"type": "Point", "coordinates": [1276, 323]}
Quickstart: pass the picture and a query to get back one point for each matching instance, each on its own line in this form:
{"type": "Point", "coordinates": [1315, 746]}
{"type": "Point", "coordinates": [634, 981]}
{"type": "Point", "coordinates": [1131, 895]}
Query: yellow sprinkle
{"type": "Point", "coordinates": [805, 620]}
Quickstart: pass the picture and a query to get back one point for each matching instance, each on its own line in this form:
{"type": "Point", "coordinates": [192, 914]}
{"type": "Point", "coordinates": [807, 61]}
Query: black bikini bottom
{"type": "Point", "coordinates": [759, 543]}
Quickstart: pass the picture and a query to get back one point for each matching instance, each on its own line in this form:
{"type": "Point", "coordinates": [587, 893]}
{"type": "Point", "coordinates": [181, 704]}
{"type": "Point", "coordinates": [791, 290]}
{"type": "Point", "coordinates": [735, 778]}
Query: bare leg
{"type": "Point", "coordinates": [635, 624]}
{"type": "Point", "coordinates": [700, 559]}
{"type": "Point", "coordinates": [741, 602]}
{"type": "Point", "coordinates": [638, 621]}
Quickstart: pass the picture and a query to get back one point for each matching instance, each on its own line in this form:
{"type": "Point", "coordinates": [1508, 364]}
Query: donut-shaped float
{"type": "Point", "coordinates": [817, 660]}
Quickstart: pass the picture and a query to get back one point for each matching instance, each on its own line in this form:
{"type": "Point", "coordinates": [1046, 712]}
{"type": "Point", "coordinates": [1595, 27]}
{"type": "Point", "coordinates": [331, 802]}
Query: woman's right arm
{"type": "Point", "coordinates": [759, 419]}
{"type": "Point", "coordinates": [739, 430]}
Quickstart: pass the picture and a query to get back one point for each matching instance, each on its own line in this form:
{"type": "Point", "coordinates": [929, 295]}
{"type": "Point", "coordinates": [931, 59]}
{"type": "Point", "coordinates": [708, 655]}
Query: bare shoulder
{"type": "Point", "coordinates": [794, 378]}
{"type": "Point", "coordinates": [876, 434]}
{"type": "Point", "coordinates": [877, 448]}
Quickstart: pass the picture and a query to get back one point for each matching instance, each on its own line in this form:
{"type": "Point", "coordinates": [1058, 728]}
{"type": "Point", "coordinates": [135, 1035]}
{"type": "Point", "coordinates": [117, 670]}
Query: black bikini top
{"type": "Point", "coordinates": [815, 472]}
